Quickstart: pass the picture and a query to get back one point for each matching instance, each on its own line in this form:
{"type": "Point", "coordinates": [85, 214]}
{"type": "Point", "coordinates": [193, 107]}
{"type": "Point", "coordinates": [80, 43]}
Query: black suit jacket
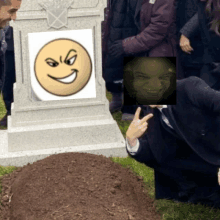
{"type": "Point", "coordinates": [189, 154]}
{"type": "Point", "coordinates": [196, 120]}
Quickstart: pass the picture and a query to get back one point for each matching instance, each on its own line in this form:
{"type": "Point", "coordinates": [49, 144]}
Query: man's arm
{"type": "Point", "coordinates": [201, 95]}
{"type": "Point", "coordinates": [131, 147]}
{"type": "Point", "coordinates": [136, 129]}
{"type": "Point", "coordinates": [142, 153]}
{"type": "Point", "coordinates": [191, 27]}
{"type": "Point", "coordinates": [155, 32]}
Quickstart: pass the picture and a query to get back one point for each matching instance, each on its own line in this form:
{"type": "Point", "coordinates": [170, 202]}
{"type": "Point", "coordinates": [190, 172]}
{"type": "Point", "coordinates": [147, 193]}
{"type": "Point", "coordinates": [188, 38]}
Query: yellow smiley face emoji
{"type": "Point", "coordinates": [63, 67]}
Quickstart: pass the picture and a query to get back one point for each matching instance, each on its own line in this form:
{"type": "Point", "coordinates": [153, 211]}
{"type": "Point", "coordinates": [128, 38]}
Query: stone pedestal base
{"type": "Point", "coordinates": [23, 145]}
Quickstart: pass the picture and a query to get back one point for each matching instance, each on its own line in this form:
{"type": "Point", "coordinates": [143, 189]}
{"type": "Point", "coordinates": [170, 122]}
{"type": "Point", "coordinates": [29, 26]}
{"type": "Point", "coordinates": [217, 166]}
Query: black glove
{"type": "Point", "coordinates": [216, 68]}
{"type": "Point", "coordinates": [116, 49]}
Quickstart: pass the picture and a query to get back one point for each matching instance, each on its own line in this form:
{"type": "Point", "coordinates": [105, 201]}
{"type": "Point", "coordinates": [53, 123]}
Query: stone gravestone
{"type": "Point", "coordinates": [50, 114]}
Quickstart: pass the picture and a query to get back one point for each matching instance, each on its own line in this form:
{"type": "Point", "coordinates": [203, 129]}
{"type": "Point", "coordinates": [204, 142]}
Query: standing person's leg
{"type": "Point", "coordinates": [119, 98]}
{"type": "Point", "coordinates": [116, 89]}
{"type": "Point", "coordinates": [9, 80]}
{"type": "Point", "coordinates": [129, 107]}
{"type": "Point", "coordinates": [179, 67]}
{"type": "Point", "coordinates": [1, 71]}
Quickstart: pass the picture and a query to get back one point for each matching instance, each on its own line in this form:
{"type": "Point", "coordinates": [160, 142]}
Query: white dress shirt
{"type": "Point", "coordinates": [133, 150]}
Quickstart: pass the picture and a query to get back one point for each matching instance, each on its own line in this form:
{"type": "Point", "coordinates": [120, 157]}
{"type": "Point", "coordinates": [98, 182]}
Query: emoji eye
{"type": "Point", "coordinates": [71, 60]}
{"type": "Point", "coordinates": [52, 64]}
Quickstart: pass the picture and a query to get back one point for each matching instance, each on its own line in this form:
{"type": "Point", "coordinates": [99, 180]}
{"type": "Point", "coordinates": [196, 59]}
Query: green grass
{"type": "Point", "coordinates": [2, 110]}
{"type": "Point", "coordinates": [168, 209]}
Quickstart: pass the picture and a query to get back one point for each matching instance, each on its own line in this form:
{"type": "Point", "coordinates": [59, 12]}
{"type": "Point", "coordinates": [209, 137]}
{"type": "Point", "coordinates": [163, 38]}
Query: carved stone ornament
{"type": "Point", "coordinates": [56, 12]}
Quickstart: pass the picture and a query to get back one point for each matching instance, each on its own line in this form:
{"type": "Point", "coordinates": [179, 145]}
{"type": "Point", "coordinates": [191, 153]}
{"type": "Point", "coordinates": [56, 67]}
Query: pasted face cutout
{"type": "Point", "coordinates": [151, 78]}
{"type": "Point", "coordinates": [63, 67]}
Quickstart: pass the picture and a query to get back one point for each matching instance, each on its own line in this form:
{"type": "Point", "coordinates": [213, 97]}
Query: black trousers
{"type": "Point", "coordinates": [129, 106]}
{"type": "Point", "coordinates": [183, 171]}
{"type": "Point", "coordinates": [186, 171]}
{"type": "Point", "coordinates": [187, 175]}
{"type": "Point", "coordinates": [8, 80]}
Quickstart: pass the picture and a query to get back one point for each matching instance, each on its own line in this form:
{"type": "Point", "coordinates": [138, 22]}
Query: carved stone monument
{"type": "Point", "coordinates": [57, 109]}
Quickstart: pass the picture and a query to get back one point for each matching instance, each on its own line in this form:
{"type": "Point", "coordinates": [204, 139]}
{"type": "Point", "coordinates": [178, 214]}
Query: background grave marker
{"type": "Point", "coordinates": [37, 129]}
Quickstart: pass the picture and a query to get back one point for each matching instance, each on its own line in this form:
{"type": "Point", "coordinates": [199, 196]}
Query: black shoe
{"type": "Point", "coordinates": [188, 190]}
{"type": "Point", "coordinates": [116, 103]}
{"type": "Point", "coordinates": [203, 194]}
{"type": "Point", "coordinates": [4, 121]}
{"type": "Point", "coordinates": [183, 195]}
{"type": "Point", "coordinates": [215, 198]}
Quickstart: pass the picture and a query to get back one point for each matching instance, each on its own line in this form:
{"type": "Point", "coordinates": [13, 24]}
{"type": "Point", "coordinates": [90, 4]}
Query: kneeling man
{"type": "Point", "coordinates": [182, 143]}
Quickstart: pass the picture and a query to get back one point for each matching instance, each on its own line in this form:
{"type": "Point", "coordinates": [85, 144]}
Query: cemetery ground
{"type": "Point", "coordinates": [87, 186]}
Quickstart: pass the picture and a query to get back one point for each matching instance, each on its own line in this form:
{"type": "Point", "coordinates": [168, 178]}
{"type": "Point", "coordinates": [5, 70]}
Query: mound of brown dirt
{"type": "Point", "coordinates": [75, 186]}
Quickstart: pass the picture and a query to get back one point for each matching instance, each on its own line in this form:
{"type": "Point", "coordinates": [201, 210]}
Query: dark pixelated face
{"type": "Point", "coordinates": [152, 79]}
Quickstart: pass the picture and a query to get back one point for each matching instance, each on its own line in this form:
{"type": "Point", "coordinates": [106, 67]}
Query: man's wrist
{"type": "Point", "coordinates": [132, 142]}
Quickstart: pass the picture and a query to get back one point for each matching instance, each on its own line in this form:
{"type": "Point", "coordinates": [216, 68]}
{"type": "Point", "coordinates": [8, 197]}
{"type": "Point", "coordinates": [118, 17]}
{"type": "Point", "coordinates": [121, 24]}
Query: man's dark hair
{"type": "Point", "coordinates": [5, 2]}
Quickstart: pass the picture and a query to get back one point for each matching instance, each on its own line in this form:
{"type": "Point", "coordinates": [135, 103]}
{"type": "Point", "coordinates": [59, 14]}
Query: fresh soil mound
{"type": "Point", "coordinates": [75, 186]}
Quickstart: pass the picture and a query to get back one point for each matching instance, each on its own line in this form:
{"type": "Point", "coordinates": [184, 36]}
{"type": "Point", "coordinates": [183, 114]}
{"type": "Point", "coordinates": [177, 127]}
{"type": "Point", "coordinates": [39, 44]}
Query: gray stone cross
{"type": "Point", "coordinates": [56, 12]}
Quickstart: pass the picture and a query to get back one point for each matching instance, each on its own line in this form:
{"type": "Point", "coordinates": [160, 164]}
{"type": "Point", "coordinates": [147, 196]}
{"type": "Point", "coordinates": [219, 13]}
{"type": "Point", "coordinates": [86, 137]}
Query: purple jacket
{"type": "Point", "coordinates": [158, 30]}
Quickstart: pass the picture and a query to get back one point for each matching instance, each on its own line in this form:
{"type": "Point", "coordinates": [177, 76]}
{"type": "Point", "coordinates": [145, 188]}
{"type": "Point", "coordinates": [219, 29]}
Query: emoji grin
{"type": "Point", "coordinates": [68, 79]}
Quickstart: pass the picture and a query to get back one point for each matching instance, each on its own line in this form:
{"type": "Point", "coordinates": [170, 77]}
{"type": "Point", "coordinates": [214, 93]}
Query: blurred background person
{"type": "Point", "coordinates": [189, 64]}
{"type": "Point", "coordinates": [135, 28]}
{"type": "Point", "coordinates": [8, 10]}
{"type": "Point", "coordinates": [207, 19]}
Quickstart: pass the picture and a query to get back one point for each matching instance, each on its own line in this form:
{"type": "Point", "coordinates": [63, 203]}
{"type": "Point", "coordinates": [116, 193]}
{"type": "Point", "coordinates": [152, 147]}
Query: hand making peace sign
{"type": "Point", "coordinates": [137, 126]}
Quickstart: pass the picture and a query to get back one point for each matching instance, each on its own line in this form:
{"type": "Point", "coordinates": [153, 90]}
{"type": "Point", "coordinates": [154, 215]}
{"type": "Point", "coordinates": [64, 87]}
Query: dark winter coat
{"type": "Point", "coordinates": [157, 36]}
{"type": "Point", "coordinates": [211, 42]}
{"type": "Point", "coordinates": [119, 25]}
{"type": "Point", "coordinates": [155, 24]}
{"type": "Point", "coordinates": [186, 9]}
